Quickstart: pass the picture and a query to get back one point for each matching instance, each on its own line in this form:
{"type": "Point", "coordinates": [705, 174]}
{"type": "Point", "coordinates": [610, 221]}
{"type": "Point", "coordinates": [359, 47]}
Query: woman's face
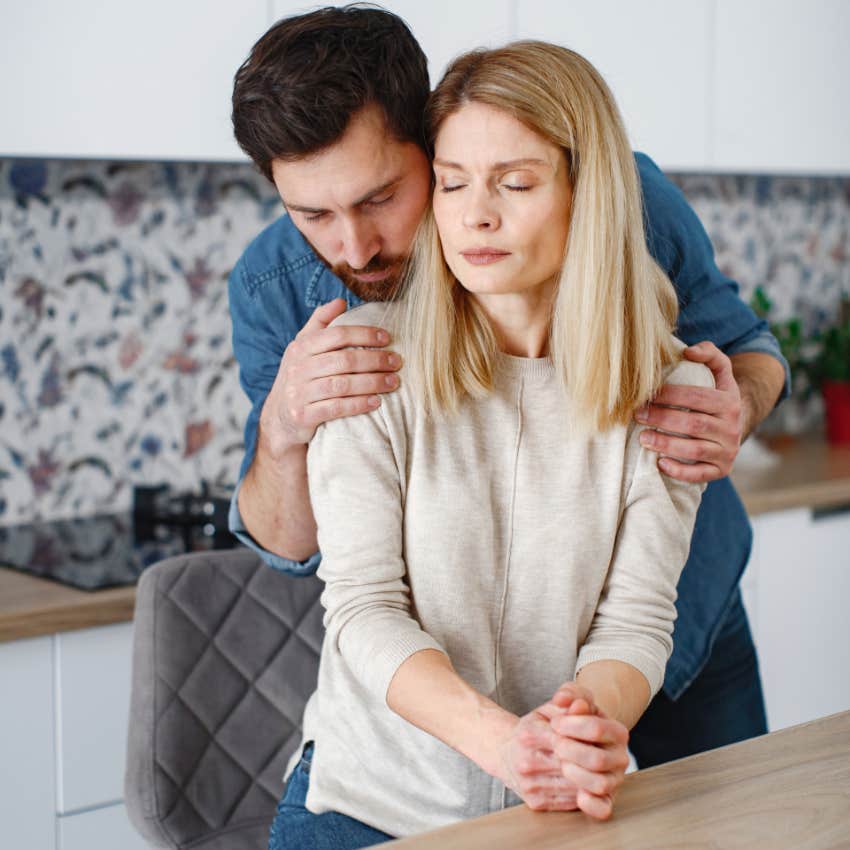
{"type": "Point", "coordinates": [501, 202]}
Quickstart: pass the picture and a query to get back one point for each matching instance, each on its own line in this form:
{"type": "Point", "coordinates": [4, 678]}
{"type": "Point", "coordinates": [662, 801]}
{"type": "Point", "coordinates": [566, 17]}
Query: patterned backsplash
{"type": "Point", "coordinates": [115, 360]}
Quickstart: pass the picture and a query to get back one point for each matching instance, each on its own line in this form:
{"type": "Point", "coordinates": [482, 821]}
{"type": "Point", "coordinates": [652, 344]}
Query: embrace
{"type": "Point", "coordinates": [504, 453]}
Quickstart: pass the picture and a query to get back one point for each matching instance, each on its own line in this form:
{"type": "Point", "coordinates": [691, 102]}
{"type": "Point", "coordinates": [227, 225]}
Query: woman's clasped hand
{"type": "Point", "coordinates": [566, 755]}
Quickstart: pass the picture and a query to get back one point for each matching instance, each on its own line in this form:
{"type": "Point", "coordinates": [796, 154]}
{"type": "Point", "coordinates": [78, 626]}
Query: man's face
{"type": "Point", "coordinates": [358, 203]}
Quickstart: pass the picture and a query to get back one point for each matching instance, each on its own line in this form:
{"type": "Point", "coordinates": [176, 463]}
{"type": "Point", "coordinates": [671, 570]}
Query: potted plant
{"type": "Point", "coordinates": [829, 369]}
{"type": "Point", "coordinates": [820, 362]}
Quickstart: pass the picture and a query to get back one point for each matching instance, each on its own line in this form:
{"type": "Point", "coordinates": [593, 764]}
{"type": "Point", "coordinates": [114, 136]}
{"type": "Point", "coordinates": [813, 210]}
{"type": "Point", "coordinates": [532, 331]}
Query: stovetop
{"type": "Point", "coordinates": [111, 550]}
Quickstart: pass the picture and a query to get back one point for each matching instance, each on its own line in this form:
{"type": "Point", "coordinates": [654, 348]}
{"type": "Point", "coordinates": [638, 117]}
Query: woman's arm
{"type": "Point", "coordinates": [634, 617]}
{"type": "Point", "coordinates": [619, 690]}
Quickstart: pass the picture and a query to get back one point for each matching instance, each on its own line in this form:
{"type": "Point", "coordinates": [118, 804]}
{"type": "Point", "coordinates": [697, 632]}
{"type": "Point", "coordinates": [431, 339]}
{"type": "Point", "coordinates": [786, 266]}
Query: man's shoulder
{"type": "Point", "coordinates": [278, 249]}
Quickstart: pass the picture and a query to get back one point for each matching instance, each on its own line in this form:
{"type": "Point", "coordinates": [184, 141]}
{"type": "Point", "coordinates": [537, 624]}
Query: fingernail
{"type": "Point", "coordinates": [383, 336]}
{"type": "Point", "coordinates": [390, 380]}
{"type": "Point", "coordinates": [641, 414]}
{"type": "Point", "coordinates": [665, 465]}
{"type": "Point", "coordinates": [374, 401]}
{"type": "Point", "coordinates": [647, 439]}
{"type": "Point", "coordinates": [395, 360]}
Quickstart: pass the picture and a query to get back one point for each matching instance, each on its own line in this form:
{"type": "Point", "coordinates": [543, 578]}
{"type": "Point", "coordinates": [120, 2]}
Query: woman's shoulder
{"type": "Point", "coordinates": [688, 372]}
{"type": "Point", "coordinates": [379, 314]}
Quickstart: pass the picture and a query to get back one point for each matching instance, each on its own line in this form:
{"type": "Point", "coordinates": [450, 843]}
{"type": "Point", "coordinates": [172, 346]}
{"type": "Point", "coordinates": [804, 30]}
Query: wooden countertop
{"type": "Point", "coordinates": [785, 791]}
{"type": "Point", "coordinates": [811, 474]}
{"type": "Point", "coordinates": [31, 606]}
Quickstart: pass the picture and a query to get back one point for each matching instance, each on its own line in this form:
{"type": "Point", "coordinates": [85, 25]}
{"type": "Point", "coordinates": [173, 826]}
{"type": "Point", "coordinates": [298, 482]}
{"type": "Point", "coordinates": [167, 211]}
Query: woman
{"type": "Point", "coordinates": [500, 554]}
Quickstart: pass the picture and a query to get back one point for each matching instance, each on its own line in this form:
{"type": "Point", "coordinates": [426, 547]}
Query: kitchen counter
{"type": "Point", "coordinates": [811, 473]}
{"type": "Point", "coordinates": [786, 791]}
{"type": "Point", "coordinates": [31, 606]}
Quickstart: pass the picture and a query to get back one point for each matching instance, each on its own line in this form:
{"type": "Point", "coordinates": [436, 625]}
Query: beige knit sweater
{"type": "Point", "coordinates": [520, 551]}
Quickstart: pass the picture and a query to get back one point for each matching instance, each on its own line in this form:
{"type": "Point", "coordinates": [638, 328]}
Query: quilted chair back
{"type": "Point", "coordinates": [225, 655]}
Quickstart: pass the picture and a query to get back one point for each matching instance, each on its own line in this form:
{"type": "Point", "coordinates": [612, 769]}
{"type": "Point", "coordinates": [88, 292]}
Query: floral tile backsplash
{"type": "Point", "coordinates": [116, 365]}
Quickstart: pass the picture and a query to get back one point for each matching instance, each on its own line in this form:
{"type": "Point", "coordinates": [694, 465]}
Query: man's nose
{"type": "Point", "coordinates": [481, 212]}
{"type": "Point", "coordinates": [360, 243]}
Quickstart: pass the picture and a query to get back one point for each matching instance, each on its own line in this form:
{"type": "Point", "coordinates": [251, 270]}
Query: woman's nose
{"type": "Point", "coordinates": [481, 212]}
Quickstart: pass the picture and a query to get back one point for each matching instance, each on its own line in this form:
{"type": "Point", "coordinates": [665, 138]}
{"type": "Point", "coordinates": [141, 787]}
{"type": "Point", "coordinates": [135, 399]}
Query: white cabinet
{"type": "Point", "coordinates": [718, 85]}
{"type": "Point", "coordinates": [63, 741]}
{"type": "Point", "coordinates": [656, 58]}
{"type": "Point", "coordinates": [798, 591]}
{"type": "Point", "coordinates": [782, 96]}
{"type": "Point", "coordinates": [148, 80]}
{"type": "Point", "coordinates": [107, 828]}
{"type": "Point", "coordinates": [444, 28]}
{"type": "Point", "coordinates": [27, 799]}
{"type": "Point", "coordinates": [93, 699]}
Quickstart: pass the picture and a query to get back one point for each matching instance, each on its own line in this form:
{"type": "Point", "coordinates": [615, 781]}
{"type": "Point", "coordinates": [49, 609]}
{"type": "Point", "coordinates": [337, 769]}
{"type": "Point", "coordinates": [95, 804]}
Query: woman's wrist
{"type": "Point", "coordinates": [428, 692]}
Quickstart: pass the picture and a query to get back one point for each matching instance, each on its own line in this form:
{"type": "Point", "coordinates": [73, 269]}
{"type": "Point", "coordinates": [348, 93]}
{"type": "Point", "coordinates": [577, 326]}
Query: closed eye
{"type": "Point", "coordinates": [452, 188]}
{"type": "Point", "coordinates": [376, 202]}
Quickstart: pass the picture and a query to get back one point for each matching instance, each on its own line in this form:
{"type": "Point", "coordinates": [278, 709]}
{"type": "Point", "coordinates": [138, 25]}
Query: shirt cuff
{"type": "Point", "coordinates": [765, 343]}
{"type": "Point", "coordinates": [644, 662]}
{"type": "Point", "coordinates": [285, 565]}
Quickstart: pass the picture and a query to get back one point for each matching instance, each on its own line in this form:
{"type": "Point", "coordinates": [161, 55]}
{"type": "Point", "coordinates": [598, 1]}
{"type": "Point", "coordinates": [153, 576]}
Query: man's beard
{"type": "Point", "coordinates": [378, 290]}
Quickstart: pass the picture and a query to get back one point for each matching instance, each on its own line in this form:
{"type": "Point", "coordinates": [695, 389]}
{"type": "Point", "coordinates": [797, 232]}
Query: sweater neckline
{"type": "Point", "coordinates": [528, 368]}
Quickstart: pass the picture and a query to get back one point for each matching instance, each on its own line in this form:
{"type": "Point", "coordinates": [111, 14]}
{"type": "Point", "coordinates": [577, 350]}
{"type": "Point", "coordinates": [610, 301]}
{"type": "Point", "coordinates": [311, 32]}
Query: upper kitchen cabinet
{"type": "Point", "coordinates": [782, 97]}
{"type": "Point", "coordinates": [444, 28]}
{"type": "Point", "coordinates": [655, 56]}
{"type": "Point", "coordinates": [103, 79]}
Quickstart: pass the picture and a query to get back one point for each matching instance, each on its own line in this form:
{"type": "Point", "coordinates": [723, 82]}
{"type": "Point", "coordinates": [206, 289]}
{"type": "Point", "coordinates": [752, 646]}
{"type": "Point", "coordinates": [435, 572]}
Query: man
{"type": "Point", "coordinates": [329, 106]}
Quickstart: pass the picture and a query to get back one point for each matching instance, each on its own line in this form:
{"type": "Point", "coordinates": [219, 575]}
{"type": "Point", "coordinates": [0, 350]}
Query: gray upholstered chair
{"type": "Point", "coordinates": [226, 652]}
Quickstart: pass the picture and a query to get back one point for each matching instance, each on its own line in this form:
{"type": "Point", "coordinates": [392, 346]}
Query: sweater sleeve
{"type": "Point", "coordinates": [634, 619]}
{"type": "Point", "coordinates": [356, 493]}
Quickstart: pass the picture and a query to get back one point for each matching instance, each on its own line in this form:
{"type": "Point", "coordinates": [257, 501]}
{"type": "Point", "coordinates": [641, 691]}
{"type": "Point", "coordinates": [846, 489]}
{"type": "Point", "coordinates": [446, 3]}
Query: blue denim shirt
{"type": "Point", "coordinates": [279, 281]}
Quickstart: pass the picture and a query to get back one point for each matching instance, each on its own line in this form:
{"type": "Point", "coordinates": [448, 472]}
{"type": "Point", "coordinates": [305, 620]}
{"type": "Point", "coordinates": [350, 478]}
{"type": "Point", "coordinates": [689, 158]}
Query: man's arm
{"type": "Point", "coordinates": [315, 380]}
{"type": "Point", "coordinates": [732, 341]}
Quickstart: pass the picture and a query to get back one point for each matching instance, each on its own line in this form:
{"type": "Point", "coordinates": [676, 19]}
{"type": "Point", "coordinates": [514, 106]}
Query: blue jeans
{"type": "Point", "coordinates": [723, 705]}
{"type": "Point", "coordinates": [296, 828]}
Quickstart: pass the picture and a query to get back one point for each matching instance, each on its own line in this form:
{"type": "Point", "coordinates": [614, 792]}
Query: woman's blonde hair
{"type": "Point", "coordinates": [614, 310]}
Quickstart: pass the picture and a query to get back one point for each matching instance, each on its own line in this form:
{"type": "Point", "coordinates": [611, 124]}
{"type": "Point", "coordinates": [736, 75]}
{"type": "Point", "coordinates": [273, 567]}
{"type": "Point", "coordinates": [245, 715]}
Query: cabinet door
{"type": "Point", "coordinates": [27, 795]}
{"type": "Point", "coordinates": [444, 28]}
{"type": "Point", "coordinates": [802, 633]}
{"type": "Point", "coordinates": [654, 55]}
{"type": "Point", "coordinates": [102, 829]}
{"type": "Point", "coordinates": [93, 705]}
{"type": "Point", "coordinates": [782, 102]}
{"type": "Point", "coordinates": [148, 80]}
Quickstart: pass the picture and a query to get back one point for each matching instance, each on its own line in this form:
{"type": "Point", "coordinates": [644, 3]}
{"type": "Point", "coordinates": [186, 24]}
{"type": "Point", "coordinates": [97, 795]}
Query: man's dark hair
{"type": "Point", "coordinates": [304, 79]}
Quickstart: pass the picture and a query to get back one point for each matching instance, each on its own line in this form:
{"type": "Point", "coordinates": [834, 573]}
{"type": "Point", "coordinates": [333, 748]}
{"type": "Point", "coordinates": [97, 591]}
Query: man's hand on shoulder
{"type": "Point", "coordinates": [703, 439]}
{"type": "Point", "coordinates": [326, 373]}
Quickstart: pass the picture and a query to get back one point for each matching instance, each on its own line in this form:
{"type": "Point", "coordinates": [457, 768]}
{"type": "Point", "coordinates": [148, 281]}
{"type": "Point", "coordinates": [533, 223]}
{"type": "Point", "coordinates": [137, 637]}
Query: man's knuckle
{"type": "Point", "coordinates": [699, 425]}
{"type": "Point", "coordinates": [339, 384]}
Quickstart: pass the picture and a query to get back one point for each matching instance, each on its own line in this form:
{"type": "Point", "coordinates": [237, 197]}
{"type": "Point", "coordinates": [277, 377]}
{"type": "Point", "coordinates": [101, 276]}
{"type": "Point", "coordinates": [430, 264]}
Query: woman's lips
{"type": "Point", "coordinates": [484, 256]}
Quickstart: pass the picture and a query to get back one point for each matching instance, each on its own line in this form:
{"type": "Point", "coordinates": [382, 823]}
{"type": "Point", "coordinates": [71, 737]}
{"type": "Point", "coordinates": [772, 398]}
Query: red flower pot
{"type": "Point", "coordinates": [836, 399]}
